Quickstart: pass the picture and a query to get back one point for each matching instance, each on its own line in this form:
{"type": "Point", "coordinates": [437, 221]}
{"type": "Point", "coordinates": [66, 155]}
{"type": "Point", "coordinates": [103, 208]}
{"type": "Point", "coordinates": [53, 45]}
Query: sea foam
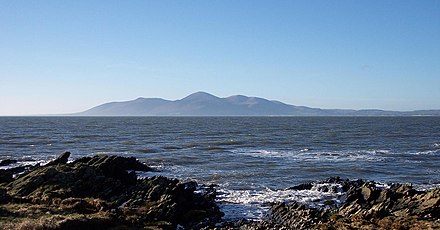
{"type": "Point", "coordinates": [254, 204]}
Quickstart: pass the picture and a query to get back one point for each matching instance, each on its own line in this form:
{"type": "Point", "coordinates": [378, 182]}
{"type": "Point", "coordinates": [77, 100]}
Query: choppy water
{"type": "Point", "coordinates": [252, 159]}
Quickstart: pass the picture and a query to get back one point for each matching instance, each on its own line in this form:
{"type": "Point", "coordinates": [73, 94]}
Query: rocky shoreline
{"type": "Point", "coordinates": [104, 192]}
{"type": "Point", "coordinates": [365, 206]}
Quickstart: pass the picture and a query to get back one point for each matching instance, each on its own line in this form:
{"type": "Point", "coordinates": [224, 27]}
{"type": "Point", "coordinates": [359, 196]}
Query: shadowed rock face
{"type": "Point", "coordinates": [367, 206]}
{"type": "Point", "coordinates": [61, 159]}
{"type": "Point", "coordinates": [100, 177]}
{"type": "Point", "coordinates": [108, 191]}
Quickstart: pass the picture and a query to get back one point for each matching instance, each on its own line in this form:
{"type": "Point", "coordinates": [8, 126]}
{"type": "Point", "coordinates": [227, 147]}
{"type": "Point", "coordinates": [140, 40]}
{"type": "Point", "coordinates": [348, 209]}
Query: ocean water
{"type": "Point", "coordinates": [251, 159]}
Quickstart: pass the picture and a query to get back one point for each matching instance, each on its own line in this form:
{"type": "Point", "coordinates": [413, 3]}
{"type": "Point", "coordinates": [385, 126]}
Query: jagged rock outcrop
{"type": "Point", "coordinates": [99, 176]}
{"type": "Point", "coordinates": [100, 192]}
{"type": "Point", "coordinates": [366, 206]}
{"type": "Point", "coordinates": [61, 159]}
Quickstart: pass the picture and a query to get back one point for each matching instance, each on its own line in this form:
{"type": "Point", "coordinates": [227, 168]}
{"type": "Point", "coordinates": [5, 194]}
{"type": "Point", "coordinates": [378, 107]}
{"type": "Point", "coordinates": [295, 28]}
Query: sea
{"type": "Point", "coordinates": [253, 161]}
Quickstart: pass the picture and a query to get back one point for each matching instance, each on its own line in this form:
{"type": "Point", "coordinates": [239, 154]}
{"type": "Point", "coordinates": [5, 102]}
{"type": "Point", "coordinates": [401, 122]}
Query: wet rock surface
{"type": "Point", "coordinates": [102, 192]}
{"type": "Point", "coordinates": [365, 205]}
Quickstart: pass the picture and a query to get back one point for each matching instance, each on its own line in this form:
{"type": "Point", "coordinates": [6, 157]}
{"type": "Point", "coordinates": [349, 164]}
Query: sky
{"type": "Point", "coordinates": [68, 56]}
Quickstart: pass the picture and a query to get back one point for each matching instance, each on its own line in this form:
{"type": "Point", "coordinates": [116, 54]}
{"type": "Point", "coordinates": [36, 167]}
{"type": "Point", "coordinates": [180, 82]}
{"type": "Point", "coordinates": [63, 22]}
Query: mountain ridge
{"type": "Point", "coordinates": [206, 104]}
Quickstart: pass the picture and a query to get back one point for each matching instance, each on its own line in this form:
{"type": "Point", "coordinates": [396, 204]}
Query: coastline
{"type": "Point", "coordinates": [104, 191]}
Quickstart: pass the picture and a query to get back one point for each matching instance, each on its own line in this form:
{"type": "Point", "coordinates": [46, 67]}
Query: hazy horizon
{"type": "Point", "coordinates": [66, 57]}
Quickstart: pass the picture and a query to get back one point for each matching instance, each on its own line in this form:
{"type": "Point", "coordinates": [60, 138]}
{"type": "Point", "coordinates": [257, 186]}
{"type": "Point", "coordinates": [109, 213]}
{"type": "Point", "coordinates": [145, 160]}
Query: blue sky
{"type": "Point", "coordinates": [67, 56]}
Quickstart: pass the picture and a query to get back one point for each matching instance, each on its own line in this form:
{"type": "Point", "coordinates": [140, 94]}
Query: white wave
{"type": "Point", "coordinates": [431, 151]}
{"type": "Point", "coordinates": [428, 152]}
{"type": "Point", "coordinates": [378, 151]}
{"type": "Point", "coordinates": [184, 174]}
{"type": "Point", "coordinates": [343, 156]}
{"type": "Point", "coordinates": [25, 163]}
{"type": "Point", "coordinates": [382, 186]}
{"type": "Point", "coordinates": [314, 156]}
{"type": "Point", "coordinates": [425, 187]}
{"type": "Point", "coordinates": [157, 171]}
{"type": "Point", "coordinates": [268, 153]}
{"type": "Point", "coordinates": [254, 204]}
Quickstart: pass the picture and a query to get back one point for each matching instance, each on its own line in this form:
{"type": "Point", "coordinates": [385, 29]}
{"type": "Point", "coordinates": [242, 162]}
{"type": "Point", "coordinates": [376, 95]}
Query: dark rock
{"type": "Point", "coordinates": [306, 186]}
{"type": "Point", "coordinates": [354, 195]}
{"type": "Point", "coordinates": [61, 159]}
{"type": "Point", "coordinates": [103, 180]}
{"type": "Point", "coordinates": [384, 196]}
{"type": "Point", "coordinates": [296, 216]}
{"type": "Point", "coordinates": [173, 201]}
{"type": "Point", "coordinates": [100, 177]}
{"type": "Point", "coordinates": [7, 162]}
{"type": "Point", "coordinates": [106, 190]}
{"type": "Point", "coordinates": [4, 197]}
{"type": "Point", "coordinates": [334, 180]}
{"type": "Point", "coordinates": [104, 162]}
{"type": "Point", "coordinates": [365, 206]}
{"type": "Point", "coordinates": [16, 170]}
{"type": "Point", "coordinates": [6, 175]}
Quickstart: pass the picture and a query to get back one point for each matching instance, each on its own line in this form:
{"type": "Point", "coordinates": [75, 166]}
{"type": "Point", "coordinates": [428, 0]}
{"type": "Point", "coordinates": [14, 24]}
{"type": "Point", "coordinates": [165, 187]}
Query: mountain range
{"type": "Point", "coordinates": [205, 104]}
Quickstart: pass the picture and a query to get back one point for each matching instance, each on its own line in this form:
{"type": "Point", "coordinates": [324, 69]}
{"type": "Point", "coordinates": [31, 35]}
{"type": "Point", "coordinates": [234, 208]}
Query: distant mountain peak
{"type": "Point", "coordinates": [200, 95]}
{"type": "Point", "coordinates": [205, 104]}
{"type": "Point", "coordinates": [238, 98]}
